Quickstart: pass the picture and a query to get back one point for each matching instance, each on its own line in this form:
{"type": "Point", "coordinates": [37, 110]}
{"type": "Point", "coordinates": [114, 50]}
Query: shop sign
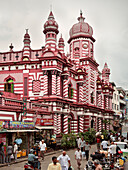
{"type": "Point", "coordinates": [16, 124]}
{"type": "Point", "coordinates": [46, 122]}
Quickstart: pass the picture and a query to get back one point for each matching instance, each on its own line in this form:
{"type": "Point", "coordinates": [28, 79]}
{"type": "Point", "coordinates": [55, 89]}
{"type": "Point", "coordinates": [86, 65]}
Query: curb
{"type": "Point", "coordinates": [25, 159]}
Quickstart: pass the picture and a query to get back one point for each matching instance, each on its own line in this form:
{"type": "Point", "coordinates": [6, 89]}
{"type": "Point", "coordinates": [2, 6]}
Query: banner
{"type": "Point", "coordinates": [16, 124]}
{"type": "Point", "coordinates": [46, 122]}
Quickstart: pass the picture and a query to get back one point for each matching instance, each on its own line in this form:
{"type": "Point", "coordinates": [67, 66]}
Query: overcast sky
{"type": "Point", "coordinates": [109, 19]}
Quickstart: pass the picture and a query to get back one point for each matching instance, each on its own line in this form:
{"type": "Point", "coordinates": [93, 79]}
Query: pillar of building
{"type": "Point", "coordinates": [45, 84]}
{"type": "Point", "coordinates": [58, 85]}
{"type": "Point", "coordinates": [81, 124]}
{"type": "Point", "coordinates": [65, 88]}
{"type": "Point", "coordinates": [54, 84]}
{"type": "Point", "coordinates": [55, 123]}
{"type": "Point", "coordinates": [65, 124]}
{"type": "Point", "coordinates": [86, 122]}
{"type": "Point", "coordinates": [58, 124]}
{"type": "Point", "coordinates": [80, 92]}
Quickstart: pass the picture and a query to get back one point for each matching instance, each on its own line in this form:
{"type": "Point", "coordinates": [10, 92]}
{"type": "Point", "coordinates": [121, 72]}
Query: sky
{"type": "Point", "coordinates": [108, 18]}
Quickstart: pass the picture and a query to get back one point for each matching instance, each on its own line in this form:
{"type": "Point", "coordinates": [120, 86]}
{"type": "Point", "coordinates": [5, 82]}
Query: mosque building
{"type": "Point", "coordinates": [66, 89]}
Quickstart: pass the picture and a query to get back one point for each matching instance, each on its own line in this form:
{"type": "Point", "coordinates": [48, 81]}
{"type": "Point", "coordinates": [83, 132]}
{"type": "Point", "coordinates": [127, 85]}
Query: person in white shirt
{"type": "Point", "coordinates": [42, 149]}
{"type": "Point", "coordinates": [78, 157]}
{"type": "Point", "coordinates": [104, 145]}
{"type": "Point", "coordinates": [15, 151]}
{"type": "Point", "coordinates": [112, 151]}
{"type": "Point", "coordinates": [64, 161]}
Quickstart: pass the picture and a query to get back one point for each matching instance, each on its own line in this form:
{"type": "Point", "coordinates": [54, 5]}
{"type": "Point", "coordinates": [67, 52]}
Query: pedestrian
{"type": "Point", "coordinates": [78, 140]}
{"type": "Point", "coordinates": [97, 165]}
{"type": "Point", "coordinates": [98, 141]}
{"type": "Point", "coordinates": [15, 150]}
{"type": "Point", "coordinates": [82, 144]}
{"type": "Point", "coordinates": [9, 153]}
{"type": "Point", "coordinates": [55, 165]}
{"type": "Point", "coordinates": [112, 151]}
{"type": "Point", "coordinates": [42, 149]}
{"type": "Point", "coordinates": [104, 145]}
{"type": "Point", "coordinates": [2, 153]}
{"type": "Point", "coordinates": [64, 160]}
{"type": "Point", "coordinates": [87, 148]}
{"type": "Point", "coordinates": [78, 157]}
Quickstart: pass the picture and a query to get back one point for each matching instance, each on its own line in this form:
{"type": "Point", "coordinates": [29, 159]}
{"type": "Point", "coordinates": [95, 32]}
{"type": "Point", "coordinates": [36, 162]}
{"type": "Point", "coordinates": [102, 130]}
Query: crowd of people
{"type": "Point", "coordinates": [11, 152]}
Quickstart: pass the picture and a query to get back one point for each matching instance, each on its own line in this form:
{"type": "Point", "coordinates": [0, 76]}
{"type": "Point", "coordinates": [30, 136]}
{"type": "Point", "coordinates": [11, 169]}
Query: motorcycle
{"type": "Point", "coordinates": [28, 166]}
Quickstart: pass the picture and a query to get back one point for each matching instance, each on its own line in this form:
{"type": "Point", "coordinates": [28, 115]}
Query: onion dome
{"type": "Point", "coordinates": [81, 29]}
{"type": "Point", "coordinates": [11, 47]}
{"type": "Point", "coordinates": [51, 24]}
{"type": "Point", "coordinates": [106, 70]}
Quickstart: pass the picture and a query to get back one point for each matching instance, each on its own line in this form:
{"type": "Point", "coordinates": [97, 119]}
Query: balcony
{"type": "Point", "coordinates": [11, 95]}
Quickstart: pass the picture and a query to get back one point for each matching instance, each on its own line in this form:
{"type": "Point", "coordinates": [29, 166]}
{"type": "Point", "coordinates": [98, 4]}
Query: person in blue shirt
{"type": "Point", "coordinates": [31, 158]}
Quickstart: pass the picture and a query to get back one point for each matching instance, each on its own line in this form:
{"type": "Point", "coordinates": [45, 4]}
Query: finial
{"type": "Point", "coordinates": [26, 31]}
{"type": "Point", "coordinates": [81, 13]}
{"type": "Point", "coordinates": [50, 7]}
{"type": "Point", "coordinates": [11, 47]}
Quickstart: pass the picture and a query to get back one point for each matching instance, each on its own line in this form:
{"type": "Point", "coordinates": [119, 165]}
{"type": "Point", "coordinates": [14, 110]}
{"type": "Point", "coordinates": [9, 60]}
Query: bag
{"type": "Point", "coordinates": [12, 156]}
{"type": "Point", "coordinates": [70, 168]}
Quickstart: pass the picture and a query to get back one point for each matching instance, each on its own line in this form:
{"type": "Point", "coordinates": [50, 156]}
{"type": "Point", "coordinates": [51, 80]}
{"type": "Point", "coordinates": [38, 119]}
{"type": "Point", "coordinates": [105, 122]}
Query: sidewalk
{"type": "Point", "coordinates": [26, 158]}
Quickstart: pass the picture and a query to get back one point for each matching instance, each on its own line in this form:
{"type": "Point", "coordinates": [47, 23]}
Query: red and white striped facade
{"type": "Point", "coordinates": [70, 85]}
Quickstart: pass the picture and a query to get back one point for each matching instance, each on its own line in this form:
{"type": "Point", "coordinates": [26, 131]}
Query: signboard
{"type": "Point", "coordinates": [46, 122]}
{"type": "Point", "coordinates": [16, 124]}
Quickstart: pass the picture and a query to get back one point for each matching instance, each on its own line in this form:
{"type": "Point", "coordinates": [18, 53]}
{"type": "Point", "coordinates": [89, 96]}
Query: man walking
{"type": "Point", "coordinates": [9, 153]}
{"type": "Point", "coordinates": [42, 149]}
{"type": "Point", "coordinates": [87, 148]}
{"type": "Point", "coordinates": [78, 157]}
{"type": "Point", "coordinates": [54, 165]}
{"type": "Point", "coordinates": [15, 151]}
{"type": "Point", "coordinates": [104, 145]}
{"type": "Point", "coordinates": [64, 161]}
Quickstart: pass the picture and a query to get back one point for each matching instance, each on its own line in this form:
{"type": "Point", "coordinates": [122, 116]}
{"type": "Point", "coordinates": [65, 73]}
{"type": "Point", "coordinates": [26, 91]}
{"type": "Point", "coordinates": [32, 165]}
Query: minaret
{"type": "Point", "coordinates": [50, 31]}
{"type": "Point", "coordinates": [105, 73]}
{"type": "Point", "coordinates": [61, 44]}
{"type": "Point", "coordinates": [27, 42]}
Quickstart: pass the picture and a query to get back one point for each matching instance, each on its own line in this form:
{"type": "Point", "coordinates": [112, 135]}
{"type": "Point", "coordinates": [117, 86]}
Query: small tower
{"type": "Point", "coordinates": [27, 42]}
{"type": "Point", "coordinates": [50, 31]}
{"type": "Point", "coordinates": [105, 73]}
{"type": "Point", "coordinates": [61, 44]}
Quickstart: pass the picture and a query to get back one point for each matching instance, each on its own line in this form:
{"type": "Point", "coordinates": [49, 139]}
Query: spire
{"type": "Point", "coordinates": [27, 42]}
{"type": "Point", "coordinates": [105, 73]}
{"type": "Point", "coordinates": [61, 44]}
{"type": "Point", "coordinates": [81, 18]}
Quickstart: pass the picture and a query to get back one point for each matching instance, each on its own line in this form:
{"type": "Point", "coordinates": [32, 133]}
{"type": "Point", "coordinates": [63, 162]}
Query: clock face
{"type": "Point", "coordinates": [85, 45]}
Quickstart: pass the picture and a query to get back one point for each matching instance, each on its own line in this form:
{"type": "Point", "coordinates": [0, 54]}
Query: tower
{"type": "Point", "coordinates": [27, 41]}
{"type": "Point", "coordinates": [106, 73]}
{"type": "Point", "coordinates": [50, 31]}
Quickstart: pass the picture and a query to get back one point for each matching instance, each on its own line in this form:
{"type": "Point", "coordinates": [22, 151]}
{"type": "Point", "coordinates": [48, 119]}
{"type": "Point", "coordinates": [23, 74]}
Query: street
{"type": "Point", "coordinates": [44, 164]}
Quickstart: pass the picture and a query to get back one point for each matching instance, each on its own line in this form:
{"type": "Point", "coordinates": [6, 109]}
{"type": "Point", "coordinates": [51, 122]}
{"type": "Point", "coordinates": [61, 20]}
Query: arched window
{"type": "Point", "coordinates": [9, 86]}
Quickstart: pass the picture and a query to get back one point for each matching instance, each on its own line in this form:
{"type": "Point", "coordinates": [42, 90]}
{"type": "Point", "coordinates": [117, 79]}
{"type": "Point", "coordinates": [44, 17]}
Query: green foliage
{"type": "Point", "coordinates": [105, 133]}
{"type": "Point", "coordinates": [68, 140]}
{"type": "Point", "coordinates": [89, 135]}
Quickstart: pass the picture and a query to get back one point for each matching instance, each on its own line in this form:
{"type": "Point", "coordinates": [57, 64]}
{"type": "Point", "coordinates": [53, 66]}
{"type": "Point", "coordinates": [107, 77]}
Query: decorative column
{"type": "Point", "coordinates": [45, 84]}
{"type": "Point", "coordinates": [55, 124]}
{"type": "Point", "coordinates": [100, 124]}
{"type": "Point", "coordinates": [86, 122]}
{"type": "Point", "coordinates": [65, 89]}
{"type": "Point", "coordinates": [81, 92]}
{"type": "Point", "coordinates": [65, 125]}
{"type": "Point", "coordinates": [54, 84]}
{"type": "Point", "coordinates": [58, 124]}
{"type": "Point", "coordinates": [81, 124]}
{"type": "Point", "coordinates": [58, 86]}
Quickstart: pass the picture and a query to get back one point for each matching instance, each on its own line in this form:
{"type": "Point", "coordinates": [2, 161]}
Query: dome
{"type": "Point", "coordinates": [81, 29]}
{"type": "Point", "coordinates": [51, 24]}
